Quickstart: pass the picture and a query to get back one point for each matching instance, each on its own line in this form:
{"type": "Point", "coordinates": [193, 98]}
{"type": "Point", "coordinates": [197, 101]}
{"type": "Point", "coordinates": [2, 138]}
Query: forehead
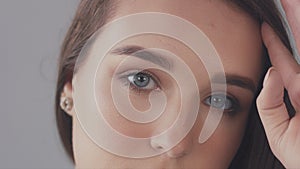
{"type": "Point", "coordinates": [209, 15]}
{"type": "Point", "coordinates": [234, 34]}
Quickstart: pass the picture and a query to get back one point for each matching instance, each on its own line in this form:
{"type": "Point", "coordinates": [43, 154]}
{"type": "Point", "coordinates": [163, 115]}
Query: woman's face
{"type": "Point", "coordinates": [236, 38]}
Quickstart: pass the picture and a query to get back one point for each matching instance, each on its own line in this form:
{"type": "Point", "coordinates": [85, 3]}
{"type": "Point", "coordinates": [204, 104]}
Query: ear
{"type": "Point", "coordinates": [67, 94]}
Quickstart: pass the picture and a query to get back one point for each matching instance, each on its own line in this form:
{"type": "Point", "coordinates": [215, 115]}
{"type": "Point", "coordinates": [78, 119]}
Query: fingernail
{"type": "Point", "coordinates": [268, 75]}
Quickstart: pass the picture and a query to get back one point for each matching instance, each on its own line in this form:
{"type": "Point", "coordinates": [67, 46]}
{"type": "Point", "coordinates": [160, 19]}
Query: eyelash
{"type": "Point", "coordinates": [125, 78]}
{"type": "Point", "coordinates": [229, 111]}
{"type": "Point", "coordinates": [134, 87]}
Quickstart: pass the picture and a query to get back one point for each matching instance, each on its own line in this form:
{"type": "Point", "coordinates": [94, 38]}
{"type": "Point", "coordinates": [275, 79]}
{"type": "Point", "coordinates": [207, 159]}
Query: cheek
{"type": "Point", "coordinates": [229, 136]}
{"type": "Point", "coordinates": [219, 150]}
{"type": "Point", "coordinates": [139, 101]}
{"type": "Point", "coordinates": [86, 152]}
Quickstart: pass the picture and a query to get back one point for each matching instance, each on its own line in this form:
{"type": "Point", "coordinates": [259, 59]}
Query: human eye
{"type": "Point", "coordinates": [222, 101]}
{"type": "Point", "coordinates": [140, 81]}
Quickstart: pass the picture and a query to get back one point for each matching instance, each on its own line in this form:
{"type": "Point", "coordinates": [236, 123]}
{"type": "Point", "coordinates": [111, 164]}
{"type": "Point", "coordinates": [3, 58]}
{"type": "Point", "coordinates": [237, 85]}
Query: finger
{"type": "Point", "coordinates": [271, 108]}
{"type": "Point", "coordinates": [292, 10]}
{"type": "Point", "coordinates": [280, 56]}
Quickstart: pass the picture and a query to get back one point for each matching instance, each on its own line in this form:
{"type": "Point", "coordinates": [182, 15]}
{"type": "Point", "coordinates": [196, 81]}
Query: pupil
{"type": "Point", "coordinates": [141, 80]}
{"type": "Point", "coordinates": [218, 101]}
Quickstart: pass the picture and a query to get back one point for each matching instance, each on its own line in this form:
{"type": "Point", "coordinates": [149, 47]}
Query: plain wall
{"type": "Point", "coordinates": [31, 33]}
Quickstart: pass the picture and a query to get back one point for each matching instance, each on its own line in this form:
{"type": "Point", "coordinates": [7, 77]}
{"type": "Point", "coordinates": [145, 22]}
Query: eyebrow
{"type": "Point", "coordinates": [145, 54]}
{"type": "Point", "coordinates": [156, 58]}
{"type": "Point", "coordinates": [236, 80]}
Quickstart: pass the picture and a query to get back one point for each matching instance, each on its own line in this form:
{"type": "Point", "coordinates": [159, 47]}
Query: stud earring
{"type": "Point", "coordinates": [66, 103]}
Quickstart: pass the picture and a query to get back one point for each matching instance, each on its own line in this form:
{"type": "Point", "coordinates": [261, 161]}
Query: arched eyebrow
{"type": "Point", "coordinates": [156, 58]}
{"type": "Point", "coordinates": [145, 54]}
{"type": "Point", "coordinates": [236, 80]}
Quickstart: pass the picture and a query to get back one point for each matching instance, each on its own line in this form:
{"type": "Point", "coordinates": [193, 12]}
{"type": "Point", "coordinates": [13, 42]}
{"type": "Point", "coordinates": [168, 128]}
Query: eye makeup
{"type": "Point", "coordinates": [140, 81]}
{"type": "Point", "coordinates": [224, 102]}
{"type": "Point", "coordinates": [144, 81]}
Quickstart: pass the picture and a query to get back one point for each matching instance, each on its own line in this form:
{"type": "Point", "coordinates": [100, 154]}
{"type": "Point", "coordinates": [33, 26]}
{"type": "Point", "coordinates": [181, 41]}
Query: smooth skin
{"type": "Point", "coordinates": [282, 131]}
{"type": "Point", "coordinates": [226, 27]}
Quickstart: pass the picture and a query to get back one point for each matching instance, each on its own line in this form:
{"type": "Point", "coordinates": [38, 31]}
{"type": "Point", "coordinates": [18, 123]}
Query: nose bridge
{"type": "Point", "coordinates": [178, 141]}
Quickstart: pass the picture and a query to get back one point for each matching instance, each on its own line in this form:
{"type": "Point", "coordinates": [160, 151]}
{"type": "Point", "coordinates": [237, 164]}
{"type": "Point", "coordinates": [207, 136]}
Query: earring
{"type": "Point", "coordinates": [66, 103]}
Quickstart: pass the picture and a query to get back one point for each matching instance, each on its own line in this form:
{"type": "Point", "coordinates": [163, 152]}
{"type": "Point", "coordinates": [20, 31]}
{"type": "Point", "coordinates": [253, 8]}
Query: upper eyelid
{"type": "Point", "coordinates": [144, 53]}
{"type": "Point", "coordinates": [231, 79]}
{"type": "Point", "coordinates": [236, 102]}
{"type": "Point", "coordinates": [231, 97]}
{"type": "Point", "coordinates": [132, 72]}
{"type": "Point", "coordinates": [158, 82]}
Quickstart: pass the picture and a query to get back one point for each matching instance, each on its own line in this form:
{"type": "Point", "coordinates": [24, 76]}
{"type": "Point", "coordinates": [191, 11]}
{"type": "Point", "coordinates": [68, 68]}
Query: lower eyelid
{"type": "Point", "coordinates": [153, 77]}
{"type": "Point", "coordinates": [235, 102]}
{"type": "Point", "coordinates": [127, 84]}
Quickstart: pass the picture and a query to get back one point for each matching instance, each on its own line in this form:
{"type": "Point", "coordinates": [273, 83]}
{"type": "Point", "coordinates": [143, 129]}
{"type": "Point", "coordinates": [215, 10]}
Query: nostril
{"type": "Point", "coordinates": [177, 152]}
{"type": "Point", "coordinates": [157, 146]}
{"type": "Point", "coordinates": [160, 147]}
{"type": "Point", "coordinates": [176, 155]}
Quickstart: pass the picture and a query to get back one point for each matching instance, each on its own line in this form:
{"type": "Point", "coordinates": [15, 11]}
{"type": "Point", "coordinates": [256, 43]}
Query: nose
{"type": "Point", "coordinates": [163, 144]}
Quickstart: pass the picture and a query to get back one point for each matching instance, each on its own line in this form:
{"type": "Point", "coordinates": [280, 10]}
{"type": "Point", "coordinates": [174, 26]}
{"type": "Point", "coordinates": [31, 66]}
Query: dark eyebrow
{"type": "Point", "coordinates": [236, 80]}
{"type": "Point", "coordinates": [143, 53]}
{"type": "Point", "coordinates": [156, 58]}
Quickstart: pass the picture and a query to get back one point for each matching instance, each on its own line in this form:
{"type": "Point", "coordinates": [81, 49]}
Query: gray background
{"type": "Point", "coordinates": [31, 32]}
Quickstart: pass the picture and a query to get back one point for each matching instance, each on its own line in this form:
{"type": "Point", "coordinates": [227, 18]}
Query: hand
{"type": "Point", "coordinates": [283, 132]}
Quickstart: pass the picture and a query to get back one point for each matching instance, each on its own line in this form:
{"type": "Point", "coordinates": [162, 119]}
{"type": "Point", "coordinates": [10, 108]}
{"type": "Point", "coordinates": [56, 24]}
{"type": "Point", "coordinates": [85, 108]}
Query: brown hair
{"type": "Point", "coordinates": [254, 151]}
{"type": "Point", "coordinates": [90, 16]}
